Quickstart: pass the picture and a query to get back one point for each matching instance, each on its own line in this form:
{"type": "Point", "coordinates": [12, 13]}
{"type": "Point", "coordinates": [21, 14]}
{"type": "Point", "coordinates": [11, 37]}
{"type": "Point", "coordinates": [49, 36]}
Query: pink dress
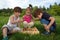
{"type": "Point", "coordinates": [27, 18]}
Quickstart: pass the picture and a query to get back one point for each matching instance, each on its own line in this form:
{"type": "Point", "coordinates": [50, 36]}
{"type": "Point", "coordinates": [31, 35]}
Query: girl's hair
{"type": "Point", "coordinates": [28, 8]}
{"type": "Point", "coordinates": [17, 9]}
{"type": "Point", "coordinates": [37, 12]}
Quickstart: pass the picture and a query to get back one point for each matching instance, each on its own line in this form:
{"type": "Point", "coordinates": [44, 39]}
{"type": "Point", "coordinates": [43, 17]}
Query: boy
{"type": "Point", "coordinates": [47, 20]}
{"type": "Point", "coordinates": [12, 24]}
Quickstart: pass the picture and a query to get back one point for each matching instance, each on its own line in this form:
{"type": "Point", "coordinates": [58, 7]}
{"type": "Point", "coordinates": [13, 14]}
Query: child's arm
{"type": "Point", "coordinates": [18, 24]}
{"type": "Point", "coordinates": [46, 27]}
{"type": "Point", "coordinates": [32, 18]}
{"type": "Point", "coordinates": [23, 18]}
{"type": "Point", "coordinates": [36, 19]}
{"type": "Point", "coordinates": [51, 22]}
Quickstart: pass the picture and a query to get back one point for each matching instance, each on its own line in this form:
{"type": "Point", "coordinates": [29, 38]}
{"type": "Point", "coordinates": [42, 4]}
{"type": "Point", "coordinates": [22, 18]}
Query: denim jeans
{"type": "Point", "coordinates": [44, 21]}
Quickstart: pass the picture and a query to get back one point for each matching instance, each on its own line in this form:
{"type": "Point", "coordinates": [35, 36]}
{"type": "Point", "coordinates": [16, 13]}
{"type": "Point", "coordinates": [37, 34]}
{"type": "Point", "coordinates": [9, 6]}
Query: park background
{"type": "Point", "coordinates": [50, 6]}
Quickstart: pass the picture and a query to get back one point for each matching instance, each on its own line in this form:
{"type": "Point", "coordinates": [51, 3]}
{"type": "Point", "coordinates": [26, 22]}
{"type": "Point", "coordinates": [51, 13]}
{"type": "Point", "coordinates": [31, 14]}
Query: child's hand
{"type": "Point", "coordinates": [18, 20]}
{"type": "Point", "coordinates": [32, 20]}
{"type": "Point", "coordinates": [36, 19]}
{"type": "Point", "coordinates": [21, 20]}
{"type": "Point", "coordinates": [47, 27]}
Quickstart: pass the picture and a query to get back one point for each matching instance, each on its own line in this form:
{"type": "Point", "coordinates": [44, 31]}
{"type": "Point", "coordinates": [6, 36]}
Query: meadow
{"type": "Point", "coordinates": [20, 36]}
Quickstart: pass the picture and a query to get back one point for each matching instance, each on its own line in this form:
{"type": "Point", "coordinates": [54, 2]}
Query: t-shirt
{"type": "Point", "coordinates": [27, 18]}
{"type": "Point", "coordinates": [47, 16]}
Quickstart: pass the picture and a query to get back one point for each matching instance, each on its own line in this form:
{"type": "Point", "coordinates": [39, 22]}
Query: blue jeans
{"type": "Point", "coordinates": [44, 21]}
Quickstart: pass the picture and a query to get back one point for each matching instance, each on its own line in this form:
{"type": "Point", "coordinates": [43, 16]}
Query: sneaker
{"type": "Point", "coordinates": [46, 33]}
{"type": "Point", "coordinates": [6, 38]}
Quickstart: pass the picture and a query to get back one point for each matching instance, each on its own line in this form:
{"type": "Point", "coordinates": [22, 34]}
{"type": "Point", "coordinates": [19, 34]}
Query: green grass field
{"type": "Point", "coordinates": [20, 36]}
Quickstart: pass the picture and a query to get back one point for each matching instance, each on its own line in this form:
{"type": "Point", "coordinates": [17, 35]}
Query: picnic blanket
{"type": "Point", "coordinates": [31, 31]}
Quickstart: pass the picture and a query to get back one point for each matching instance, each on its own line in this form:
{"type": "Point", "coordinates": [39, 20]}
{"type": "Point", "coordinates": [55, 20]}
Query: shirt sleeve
{"type": "Point", "coordinates": [46, 15]}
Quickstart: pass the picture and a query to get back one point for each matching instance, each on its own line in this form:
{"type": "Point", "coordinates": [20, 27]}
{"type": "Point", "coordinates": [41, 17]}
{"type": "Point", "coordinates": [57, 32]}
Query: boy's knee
{"type": "Point", "coordinates": [5, 28]}
{"type": "Point", "coordinates": [52, 29]}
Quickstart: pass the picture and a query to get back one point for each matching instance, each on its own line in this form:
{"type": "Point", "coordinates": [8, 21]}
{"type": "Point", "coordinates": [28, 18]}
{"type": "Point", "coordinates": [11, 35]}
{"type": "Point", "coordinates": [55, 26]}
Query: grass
{"type": "Point", "coordinates": [20, 36]}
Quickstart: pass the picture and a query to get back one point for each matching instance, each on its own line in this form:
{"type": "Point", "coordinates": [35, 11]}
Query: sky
{"type": "Point", "coordinates": [25, 3]}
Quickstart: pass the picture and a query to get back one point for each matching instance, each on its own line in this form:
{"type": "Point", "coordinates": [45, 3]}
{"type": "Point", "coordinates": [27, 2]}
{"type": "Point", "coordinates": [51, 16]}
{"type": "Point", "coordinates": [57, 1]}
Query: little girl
{"type": "Point", "coordinates": [28, 19]}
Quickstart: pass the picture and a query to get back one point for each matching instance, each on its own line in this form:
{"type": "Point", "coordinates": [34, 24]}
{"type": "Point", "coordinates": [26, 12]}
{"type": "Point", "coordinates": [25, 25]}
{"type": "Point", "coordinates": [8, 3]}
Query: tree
{"type": "Point", "coordinates": [54, 10]}
{"type": "Point", "coordinates": [50, 6]}
{"type": "Point", "coordinates": [59, 4]}
{"type": "Point", "coordinates": [44, 9]}
{"type": "Point", "coordinates": [55, 3]}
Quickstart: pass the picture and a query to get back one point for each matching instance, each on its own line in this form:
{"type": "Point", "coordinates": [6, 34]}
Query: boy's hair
{"type": "Point", "coordinates": [17, 9]}
{"type": "Point", "coordinates": [37, 12]}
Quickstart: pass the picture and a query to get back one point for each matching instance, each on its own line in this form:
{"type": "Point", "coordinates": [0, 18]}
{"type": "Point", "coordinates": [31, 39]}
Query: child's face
{"type": "Point", "coordinates": [39, 16]}
{"type": "Point", "coordinates": [17, 14]}
{"type": "Point", "coordinates": [28, 12]}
